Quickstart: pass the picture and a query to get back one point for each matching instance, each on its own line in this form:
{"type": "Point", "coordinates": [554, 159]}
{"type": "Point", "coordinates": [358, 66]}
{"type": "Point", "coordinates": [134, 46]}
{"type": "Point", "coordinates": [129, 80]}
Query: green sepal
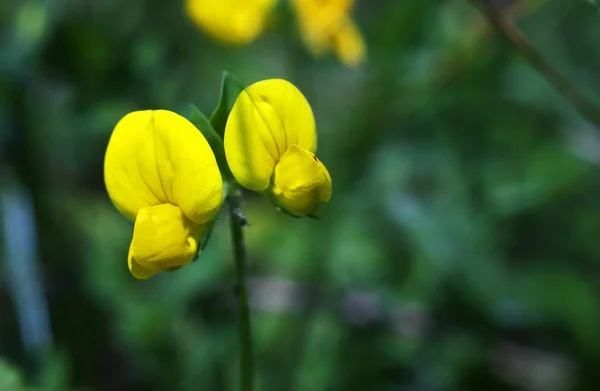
{"type": "Point", "coordinates": [269, 196]}
{"type": "Point", "coordinates": [294, 215]}
{"type": "Point", "coordinates": [205, 238]}
{"type": "Point", "coordinates": [207, 233]}
{"type": "Point", "coordinates": [283, 210]}
{"type": "Point", "coordinates": [210, 226]}
{"type": "Point", "coordinates": [287, 212]}
{"type": "Point", "coordinates": [200, 121]}
{"type": "Point", "coordinates": [230, 89]}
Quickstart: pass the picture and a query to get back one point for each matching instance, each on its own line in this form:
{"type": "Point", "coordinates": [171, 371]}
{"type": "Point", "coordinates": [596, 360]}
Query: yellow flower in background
{"type": "Point", "coordinates": [270, 144]}
{"type": "Point", "coordinates": [326, 26]}
{"type": "Point", "coordinates": [161, 173]}
{"type": "Point", "coordinates": [231, 21]}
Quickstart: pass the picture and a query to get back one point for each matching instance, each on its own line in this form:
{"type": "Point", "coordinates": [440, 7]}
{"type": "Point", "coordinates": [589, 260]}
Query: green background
{"type": "Point", "coordinates": [460, 249]}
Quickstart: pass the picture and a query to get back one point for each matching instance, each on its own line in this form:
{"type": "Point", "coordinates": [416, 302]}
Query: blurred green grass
{"type": "Point", "coordinates": [459, 251]}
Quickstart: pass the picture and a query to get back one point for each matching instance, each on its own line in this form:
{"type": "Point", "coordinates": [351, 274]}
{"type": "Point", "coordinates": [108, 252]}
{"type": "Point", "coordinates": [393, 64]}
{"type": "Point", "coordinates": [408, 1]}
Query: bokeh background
{"type": "Point", "coordinates": [460, 249]}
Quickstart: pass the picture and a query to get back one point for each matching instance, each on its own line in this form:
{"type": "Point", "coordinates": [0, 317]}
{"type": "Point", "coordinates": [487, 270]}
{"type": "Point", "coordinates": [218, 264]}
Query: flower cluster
{"type": "Point", "coordinates": [325, 25]}
{"type": "Point", "coordinates": [232, 21]}
{"type": "Point", "coordinates": [161, 172]}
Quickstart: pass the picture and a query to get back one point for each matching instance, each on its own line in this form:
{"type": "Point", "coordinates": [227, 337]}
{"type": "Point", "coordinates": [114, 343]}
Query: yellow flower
{"type": "Point", "coordinates": [326, 26]}
{"type": "Point", "coordinates": [270, 143]}
{"type": "Point", "coordinates": [231, 21]}
{"type": "Point", "coordinates": [161, 173]}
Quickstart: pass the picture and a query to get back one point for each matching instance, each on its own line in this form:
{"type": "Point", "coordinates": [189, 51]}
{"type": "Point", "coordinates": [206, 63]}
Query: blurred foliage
{"type": "Point", "coordinates": [460, 250]}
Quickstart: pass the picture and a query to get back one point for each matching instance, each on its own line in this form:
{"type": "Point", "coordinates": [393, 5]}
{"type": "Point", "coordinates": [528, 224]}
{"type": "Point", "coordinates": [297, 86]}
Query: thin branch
{"type": "Point", "coordinates": [582, 103]}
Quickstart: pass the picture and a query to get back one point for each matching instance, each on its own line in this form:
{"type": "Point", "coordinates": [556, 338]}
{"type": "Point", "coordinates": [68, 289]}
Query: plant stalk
{"type": "Point", "coordinates": [578, 100]}
{"type": "Point", "coordinates": [238, 222]}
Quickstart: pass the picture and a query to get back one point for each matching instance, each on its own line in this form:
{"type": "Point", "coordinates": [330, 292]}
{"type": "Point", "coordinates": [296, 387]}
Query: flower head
{"type": "Point", "coordinates": [231, 21]}
{"type": "Point", "coordinates": [326, 26]}
{"type": "Point", "coordinates": [270, 143]}
{"type": "Point", "coordinates": [161, 173]}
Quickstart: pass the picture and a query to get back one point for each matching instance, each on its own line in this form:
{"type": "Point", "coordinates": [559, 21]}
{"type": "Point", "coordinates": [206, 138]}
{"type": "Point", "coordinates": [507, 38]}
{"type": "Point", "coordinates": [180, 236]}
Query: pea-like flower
{"type": "Point", "coordinates": [161, 173]}
{"type": "Point", "coordinates": [231, 21]}
{"type": "Point", "coordinates": [270, 143]}
{"type": "Point", "coordinates": [326, 26]}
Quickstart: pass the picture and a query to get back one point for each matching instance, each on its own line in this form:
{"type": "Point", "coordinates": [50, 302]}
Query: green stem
{"type": "Point", "coordinates": [244, 330]}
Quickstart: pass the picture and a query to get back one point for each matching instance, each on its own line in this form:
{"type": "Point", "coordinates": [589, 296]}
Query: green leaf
{"type": "Point", "coordinates": [216, 143]}
{"type": "Point", "coordinates": [230, 89]}
{"type": "Point", "coordinates": [214, 140]}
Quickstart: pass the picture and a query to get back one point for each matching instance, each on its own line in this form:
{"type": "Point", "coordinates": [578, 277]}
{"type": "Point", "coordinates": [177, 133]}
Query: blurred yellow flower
{"type": "Point", "coordinates": [270, 143]}
{"type": "Point", "coordinates": [161, 173]}
{"type": "Point", "coordinates": [231, 21]}
{"type": "Point", "coordinates": [326, 26]}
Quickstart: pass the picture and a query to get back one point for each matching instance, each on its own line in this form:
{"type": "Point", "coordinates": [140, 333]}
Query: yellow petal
{"type": "Point", "coordinates": [315, 25]}
{"type": "Point", "coordinates": [349, 45]}
{"type": "Point", "coordinates": [320, 21]}
{"type": "Point", "coordinates": [301, 181]}
{"type": "Point", "coordinates": [323, 13]}
{"type": "Point", "coordinates": [137, 270]}
{"type": "Point", "coordinates": [163, 238]}
{"type": "Point", "coordinates": [124, 183]}
{"type": "Point", "coordinates": [157, 157]}
{"type": "Point", "coordinates": [232, 21]}
{"type": "Point", "coordinates": [267, 118]}
{"type": "Point", "coordinates": [197, 186]}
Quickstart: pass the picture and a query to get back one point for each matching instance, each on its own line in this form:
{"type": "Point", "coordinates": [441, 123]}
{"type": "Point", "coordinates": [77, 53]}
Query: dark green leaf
{"type": "Point", "coordinates": [216, 143]}
{"type": "Point", "coordinates": [214, 140]}
{"type": "Point", "coordinates": [230, 89]}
